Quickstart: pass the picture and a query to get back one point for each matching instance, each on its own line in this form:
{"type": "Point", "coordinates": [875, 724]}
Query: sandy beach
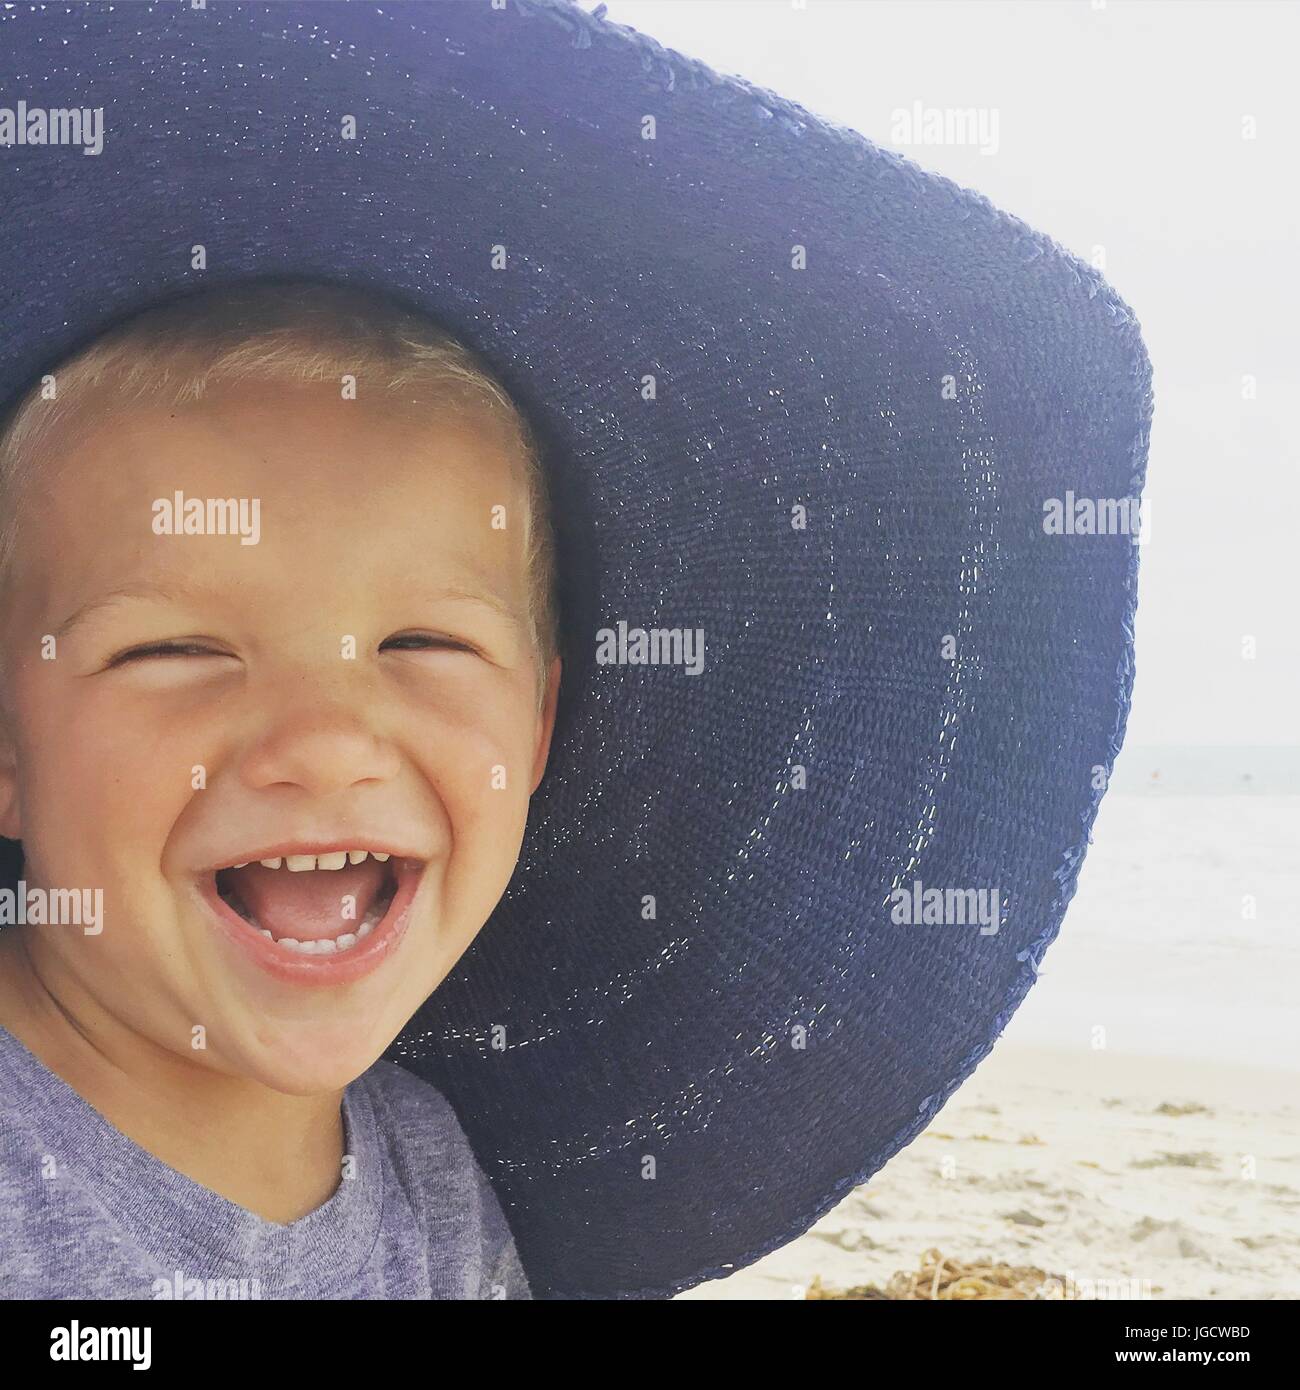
{"type": "Point", "coordinates": [1124, 1175]}
{"type": "Point", "coordinates": [1164, 1164]}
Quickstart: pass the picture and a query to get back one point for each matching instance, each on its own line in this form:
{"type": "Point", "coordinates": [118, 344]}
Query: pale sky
{"type": "Point", "coordinates": [1119, 125]}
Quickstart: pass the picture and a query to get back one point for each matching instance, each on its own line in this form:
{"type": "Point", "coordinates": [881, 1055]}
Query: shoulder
{"type": "Point", "coordinates": [417, 1126]}
{"type": "Point", "coordinates": [437, 1166]}
{"type": "Point", "coordinates": [406, 1098]}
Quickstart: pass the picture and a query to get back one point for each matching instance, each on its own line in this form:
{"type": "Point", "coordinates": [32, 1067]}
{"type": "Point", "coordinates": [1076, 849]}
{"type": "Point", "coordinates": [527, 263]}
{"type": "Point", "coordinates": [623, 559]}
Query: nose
{"type": "Point", "coordinates": [325, 748]}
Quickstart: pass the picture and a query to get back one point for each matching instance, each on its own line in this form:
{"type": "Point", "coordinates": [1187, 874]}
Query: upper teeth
{"type": "Point", "coordinates": [298, 863]}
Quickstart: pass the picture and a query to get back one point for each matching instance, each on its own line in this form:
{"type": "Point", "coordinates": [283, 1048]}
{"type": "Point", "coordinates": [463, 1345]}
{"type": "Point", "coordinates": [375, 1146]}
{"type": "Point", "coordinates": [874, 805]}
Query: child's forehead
{"type": "Point", "coordinates": [301, 448]}
{"type": "Point", "coordinates": [311, 422]}
{"type": "Point", "coordinates": [385, 489]}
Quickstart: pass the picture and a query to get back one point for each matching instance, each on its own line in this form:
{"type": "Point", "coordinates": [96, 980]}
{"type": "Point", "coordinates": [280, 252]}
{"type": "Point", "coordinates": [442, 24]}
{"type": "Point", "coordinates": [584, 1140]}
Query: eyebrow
{"type": "Point", "coordinates": [143, 589]}
{"type": "Point", "coordinates": [485, 598]}
{"type": "Point", "coordinates": [172, 593]}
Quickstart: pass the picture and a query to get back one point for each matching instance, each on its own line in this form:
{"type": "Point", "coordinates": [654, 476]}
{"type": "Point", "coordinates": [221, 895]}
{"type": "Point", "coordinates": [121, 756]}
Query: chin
{"type": "Point", "coordinates": [310, 1059]}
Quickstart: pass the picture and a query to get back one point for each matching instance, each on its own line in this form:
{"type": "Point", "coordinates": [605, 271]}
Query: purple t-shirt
{"type": "Point", "coordinates": [86, 1213]}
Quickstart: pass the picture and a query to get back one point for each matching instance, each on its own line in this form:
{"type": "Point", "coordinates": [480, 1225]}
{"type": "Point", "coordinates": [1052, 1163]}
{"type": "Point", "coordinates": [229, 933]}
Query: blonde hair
{"type": "Point", "coordinates": [285, 330]}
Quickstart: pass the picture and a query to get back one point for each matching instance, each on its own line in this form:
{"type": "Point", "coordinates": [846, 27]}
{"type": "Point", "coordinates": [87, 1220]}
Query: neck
{"type": "Point", "coordinates": [276, 1155]}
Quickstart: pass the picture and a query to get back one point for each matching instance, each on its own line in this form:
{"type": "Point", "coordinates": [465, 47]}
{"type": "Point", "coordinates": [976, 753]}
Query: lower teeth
{"type": "Point", "coordinates": [327, 945]}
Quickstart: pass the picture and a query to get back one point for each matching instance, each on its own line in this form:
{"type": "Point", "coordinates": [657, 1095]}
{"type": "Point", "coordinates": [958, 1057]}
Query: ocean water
{"type": "Point", "coordinates": [1177, 770]}
{"type": "Point", "coordinates": [1183, 938]}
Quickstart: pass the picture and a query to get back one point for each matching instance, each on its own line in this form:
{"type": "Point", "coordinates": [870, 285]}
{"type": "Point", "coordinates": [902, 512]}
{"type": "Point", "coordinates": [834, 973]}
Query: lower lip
{"type": "Point", "coordinates": [319, 971]}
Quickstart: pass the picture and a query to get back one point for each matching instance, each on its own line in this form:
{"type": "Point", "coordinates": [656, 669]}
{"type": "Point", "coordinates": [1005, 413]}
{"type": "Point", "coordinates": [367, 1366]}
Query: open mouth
{"type": "Point", "coordinates": [316, 904]}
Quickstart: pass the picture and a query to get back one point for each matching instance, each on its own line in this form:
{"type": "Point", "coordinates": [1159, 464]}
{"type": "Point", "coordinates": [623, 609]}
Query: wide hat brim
{"type": "Point", "coordinates": [693, 1023]}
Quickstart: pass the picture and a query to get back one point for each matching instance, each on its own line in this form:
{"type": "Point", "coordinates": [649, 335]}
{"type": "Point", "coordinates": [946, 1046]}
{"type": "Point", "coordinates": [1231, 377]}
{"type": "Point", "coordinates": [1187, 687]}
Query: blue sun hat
{"type": "Point", "coordinates": [836, 450]}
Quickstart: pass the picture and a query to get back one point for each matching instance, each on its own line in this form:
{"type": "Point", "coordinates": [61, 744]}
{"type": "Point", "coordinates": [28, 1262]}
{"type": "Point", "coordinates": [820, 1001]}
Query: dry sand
{"type": "Point", "coordinates": [1131, 1176]}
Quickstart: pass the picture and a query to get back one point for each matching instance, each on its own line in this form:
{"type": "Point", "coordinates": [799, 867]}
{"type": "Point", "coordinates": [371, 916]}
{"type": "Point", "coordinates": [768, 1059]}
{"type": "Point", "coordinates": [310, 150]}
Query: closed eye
{"type": "Point", "coordinates": [424, 641]}
{"type": "Point", "coordinates": [165, 649]}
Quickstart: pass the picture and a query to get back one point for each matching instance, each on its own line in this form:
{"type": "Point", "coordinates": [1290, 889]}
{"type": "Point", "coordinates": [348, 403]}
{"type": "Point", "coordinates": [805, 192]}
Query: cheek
{"type": "Point", "coordinates": [479, 761]}
{"type": "Point", "coordinates": [93, 767]}
{"type": "Point", "coordinates": [475, 732]}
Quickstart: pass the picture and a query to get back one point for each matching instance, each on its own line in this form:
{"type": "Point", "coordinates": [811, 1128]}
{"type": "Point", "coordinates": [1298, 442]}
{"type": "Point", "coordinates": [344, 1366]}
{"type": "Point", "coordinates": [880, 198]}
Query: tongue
{"type": "Point", "coordinates": [311, 905]}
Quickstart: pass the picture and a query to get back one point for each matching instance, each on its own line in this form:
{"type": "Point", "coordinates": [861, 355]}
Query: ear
{"type": "Point", "coordinates": [546, 723]}
{"type": "Point", "coordinates": [11, 821]}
